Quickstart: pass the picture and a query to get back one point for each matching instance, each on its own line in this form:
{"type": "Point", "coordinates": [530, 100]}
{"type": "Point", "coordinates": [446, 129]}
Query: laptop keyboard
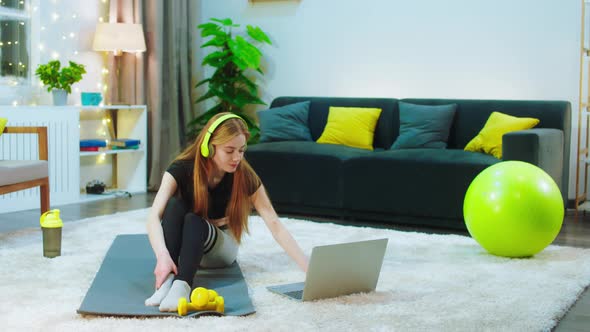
{"type": "Point", "coordinates": [295, 294]}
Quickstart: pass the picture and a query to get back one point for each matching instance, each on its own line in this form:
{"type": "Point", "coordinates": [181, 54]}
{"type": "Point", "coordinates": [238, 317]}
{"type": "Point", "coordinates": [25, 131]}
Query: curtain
{"type": "Point", "coordinates": [160, 77]}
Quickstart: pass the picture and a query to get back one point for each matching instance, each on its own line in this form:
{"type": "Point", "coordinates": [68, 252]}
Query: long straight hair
{"type": "Point", "coordinates": [245, 179]}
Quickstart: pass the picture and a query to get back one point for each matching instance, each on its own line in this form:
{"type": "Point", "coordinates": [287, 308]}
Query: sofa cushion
{"type": "Point", "coordinates": [304, 173]}
{"type": "Point", "coordinates": [351, 126]}
{"type": "Point", "coordinates": [16, 171]}
{"type": "Point", "coordinates": [489, 139]}
{"type": "Point", "coordinates": [387, 127]}
{"type": "Point", "coordinates": [286, 123]}
{"type": "Point", "coordinates": [423, 126]}
{"type": "Point", "coordinates": [413, 182]}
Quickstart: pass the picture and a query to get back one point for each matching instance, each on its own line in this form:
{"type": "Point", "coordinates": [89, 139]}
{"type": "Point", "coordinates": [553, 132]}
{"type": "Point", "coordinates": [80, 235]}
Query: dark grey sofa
{"type": "Point", "coordinates": [412, 186]}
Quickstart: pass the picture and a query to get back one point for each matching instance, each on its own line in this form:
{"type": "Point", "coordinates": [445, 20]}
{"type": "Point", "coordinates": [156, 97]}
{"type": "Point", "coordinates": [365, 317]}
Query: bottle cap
{"type": "Point", "coordinates": [50, 219]}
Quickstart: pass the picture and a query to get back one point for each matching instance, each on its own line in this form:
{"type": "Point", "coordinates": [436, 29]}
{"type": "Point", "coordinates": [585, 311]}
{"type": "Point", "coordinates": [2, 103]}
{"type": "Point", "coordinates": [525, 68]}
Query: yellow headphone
{"type": "Point", "coordinates": [207, 151]}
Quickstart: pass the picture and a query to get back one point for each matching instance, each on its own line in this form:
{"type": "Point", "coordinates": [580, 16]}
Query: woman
{"type": "Point", "coordinates": [201, 210]}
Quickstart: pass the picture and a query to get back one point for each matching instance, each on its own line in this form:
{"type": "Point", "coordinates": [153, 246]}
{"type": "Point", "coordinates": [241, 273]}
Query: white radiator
{"type": "Point", "coordinates": [63, 144]}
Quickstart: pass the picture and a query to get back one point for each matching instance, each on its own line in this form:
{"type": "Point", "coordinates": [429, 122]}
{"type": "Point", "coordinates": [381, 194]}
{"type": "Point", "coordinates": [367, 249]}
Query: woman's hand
{"type": "Point", "coordinates": [164, 266]}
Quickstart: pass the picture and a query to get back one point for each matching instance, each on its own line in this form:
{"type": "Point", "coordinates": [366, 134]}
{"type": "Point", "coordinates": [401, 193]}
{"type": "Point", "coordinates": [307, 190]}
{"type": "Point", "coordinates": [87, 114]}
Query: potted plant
{"type": "Point", "coordinates": [236, 56]}
{"type": "Point", "coordinates": [59, 80]}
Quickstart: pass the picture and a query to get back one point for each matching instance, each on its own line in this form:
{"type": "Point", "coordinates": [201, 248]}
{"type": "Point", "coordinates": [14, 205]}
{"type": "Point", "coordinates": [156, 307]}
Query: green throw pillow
{"type": "Point", "coordinates": [424, 126]}
{"type": "Point", "coordinates": [285, 123]}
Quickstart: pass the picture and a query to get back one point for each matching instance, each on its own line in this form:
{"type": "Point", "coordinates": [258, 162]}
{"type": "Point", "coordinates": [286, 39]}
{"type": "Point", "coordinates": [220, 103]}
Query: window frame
{"type": "Point", "coordinates": [22, 93]}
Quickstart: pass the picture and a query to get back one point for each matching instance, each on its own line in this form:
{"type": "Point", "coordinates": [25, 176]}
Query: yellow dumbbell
{"type": "Point", "coordinates": [201, 299]}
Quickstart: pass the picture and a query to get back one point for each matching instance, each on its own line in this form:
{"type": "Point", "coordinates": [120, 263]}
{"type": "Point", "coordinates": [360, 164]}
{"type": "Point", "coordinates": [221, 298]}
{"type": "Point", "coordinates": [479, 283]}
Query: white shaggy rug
{"type": "Point", "coordinates": [428, 282]}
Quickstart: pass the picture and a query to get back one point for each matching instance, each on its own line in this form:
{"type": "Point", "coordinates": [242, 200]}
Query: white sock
{"type": "Point", "coordinates": [179, 289]}
{"type": "Point", "coordinates": [161, 292]}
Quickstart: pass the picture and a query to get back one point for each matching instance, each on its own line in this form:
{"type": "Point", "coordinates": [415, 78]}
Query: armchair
{"type": "Point", "coordinates": [18, 175]}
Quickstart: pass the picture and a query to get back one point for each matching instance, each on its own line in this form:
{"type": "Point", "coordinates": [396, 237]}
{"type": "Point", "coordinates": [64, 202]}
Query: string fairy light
{"type": "Point", "coordinates": [59, 23]}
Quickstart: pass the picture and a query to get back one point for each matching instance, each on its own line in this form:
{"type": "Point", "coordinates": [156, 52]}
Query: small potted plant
{"type": "Point", "coordinates": [59, 80]}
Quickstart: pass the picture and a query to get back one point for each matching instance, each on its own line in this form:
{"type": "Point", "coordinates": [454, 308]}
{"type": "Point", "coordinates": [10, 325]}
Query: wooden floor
{"type": "Point", "coordinates": [575, 232]}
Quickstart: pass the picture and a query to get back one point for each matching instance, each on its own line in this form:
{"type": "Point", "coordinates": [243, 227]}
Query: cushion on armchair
{"type": "Point", "coordinates": [3, 122]}
{"type": "Point", "coordinates": [16, 171]}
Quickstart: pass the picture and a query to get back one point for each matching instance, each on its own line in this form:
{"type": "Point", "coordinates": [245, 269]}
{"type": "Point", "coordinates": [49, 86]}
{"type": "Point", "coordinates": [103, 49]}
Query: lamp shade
{"type": "Point", "coordinates": [119, 37]}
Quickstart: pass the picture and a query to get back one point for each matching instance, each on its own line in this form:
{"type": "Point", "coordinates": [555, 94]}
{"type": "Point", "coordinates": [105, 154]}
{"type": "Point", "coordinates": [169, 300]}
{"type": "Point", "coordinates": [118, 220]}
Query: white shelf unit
{"type": "Point", "coordinates": [119, 169]}
{"type": "Point", "coordinates": [69, 168]}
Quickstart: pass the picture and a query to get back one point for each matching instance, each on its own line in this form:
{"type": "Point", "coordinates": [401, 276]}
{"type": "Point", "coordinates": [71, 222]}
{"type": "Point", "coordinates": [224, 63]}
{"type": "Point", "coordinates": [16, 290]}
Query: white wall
{"type": "Point", "coordinates": [503, 49]}
{"type": "Point", "coordinates": [66, 31]}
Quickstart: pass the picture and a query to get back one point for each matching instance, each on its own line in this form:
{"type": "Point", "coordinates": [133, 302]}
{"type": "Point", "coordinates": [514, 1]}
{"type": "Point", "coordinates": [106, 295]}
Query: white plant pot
{"type": "Point", "coordinates": [60, 97]}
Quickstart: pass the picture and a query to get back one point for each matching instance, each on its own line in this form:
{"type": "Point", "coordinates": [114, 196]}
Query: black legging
{"type": "Point", "coordinates": [188, 237]}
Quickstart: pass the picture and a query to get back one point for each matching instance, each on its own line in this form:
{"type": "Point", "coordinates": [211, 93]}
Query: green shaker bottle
{"type": "Point", "coordinates": [51, 225]}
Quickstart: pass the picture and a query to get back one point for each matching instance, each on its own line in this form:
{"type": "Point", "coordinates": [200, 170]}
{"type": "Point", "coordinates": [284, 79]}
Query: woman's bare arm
{"type": "Point", "coordinates": [279, 232]}
{"type": "Point", "coordinates": [164, 265]}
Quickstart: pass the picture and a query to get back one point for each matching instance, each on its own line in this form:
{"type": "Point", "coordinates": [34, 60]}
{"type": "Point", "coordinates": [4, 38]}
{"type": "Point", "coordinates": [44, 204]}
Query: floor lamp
{"type": "Point", "coordinates": [119, 38]}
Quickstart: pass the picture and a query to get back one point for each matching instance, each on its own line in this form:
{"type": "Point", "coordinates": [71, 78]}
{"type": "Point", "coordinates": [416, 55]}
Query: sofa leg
{"type": "Point", "coordinates": [44, 197]}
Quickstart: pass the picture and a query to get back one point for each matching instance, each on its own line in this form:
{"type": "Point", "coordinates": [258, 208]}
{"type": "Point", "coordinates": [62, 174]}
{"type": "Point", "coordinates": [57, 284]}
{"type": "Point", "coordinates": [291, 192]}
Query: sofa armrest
{"type": "Point", "coordinates": [542, 147]}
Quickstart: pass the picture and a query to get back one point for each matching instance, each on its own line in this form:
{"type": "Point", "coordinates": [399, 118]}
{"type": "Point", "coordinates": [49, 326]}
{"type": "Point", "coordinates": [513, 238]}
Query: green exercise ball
{"type": "Point", "coordinates": [513, 209]}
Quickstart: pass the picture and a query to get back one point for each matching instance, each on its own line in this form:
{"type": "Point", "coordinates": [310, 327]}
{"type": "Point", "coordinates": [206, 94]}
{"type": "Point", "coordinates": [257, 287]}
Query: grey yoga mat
{"type": "Point", "coordinates": [125, 279]}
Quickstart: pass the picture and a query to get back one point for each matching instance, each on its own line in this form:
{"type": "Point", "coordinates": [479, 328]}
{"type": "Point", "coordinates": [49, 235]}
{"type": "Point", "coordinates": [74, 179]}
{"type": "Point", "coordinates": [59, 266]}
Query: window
{"type": "Point", "coordinates": [15, 46]}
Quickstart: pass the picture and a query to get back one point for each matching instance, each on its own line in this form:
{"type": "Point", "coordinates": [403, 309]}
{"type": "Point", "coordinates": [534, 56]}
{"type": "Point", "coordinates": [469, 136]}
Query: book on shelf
{"type": "Point", "coordinates": [132, 147]}
{"type": "Point", "coordinates": [93, 149]}
{"type": "Point", "coordinates": [124, 142]}
{"type": "Point", "coordinates": [93, 143]}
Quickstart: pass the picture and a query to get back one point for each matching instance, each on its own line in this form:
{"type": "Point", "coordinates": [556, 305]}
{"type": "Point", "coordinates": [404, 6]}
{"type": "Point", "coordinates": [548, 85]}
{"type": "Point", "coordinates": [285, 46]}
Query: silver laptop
{"type": "Point", "coordinates": [338, 269]}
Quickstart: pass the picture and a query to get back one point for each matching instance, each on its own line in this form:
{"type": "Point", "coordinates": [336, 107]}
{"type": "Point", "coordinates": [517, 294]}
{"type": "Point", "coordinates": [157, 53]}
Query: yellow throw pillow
{"type": "Point", "coordinates": [489, 139]}
{"type": "Point", "coordinates": [2, 125]}
{"type": "Point", "coordinates": [351, 126]}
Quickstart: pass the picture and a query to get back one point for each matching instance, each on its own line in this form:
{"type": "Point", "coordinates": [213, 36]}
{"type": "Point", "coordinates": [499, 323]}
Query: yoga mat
{"type": "Point", "coordinates": [125, 279]}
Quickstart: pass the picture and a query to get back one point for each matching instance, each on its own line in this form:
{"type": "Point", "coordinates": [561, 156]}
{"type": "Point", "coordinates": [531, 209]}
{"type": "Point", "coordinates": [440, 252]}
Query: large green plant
{"type": "Point", "coordinates": [236, 56]}
{"type": "Point", "coordinates": [55, 77]}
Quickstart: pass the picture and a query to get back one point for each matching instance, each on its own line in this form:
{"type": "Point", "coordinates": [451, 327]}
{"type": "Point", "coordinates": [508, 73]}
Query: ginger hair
{"type": "Point", "coordinates": [239, 206]}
